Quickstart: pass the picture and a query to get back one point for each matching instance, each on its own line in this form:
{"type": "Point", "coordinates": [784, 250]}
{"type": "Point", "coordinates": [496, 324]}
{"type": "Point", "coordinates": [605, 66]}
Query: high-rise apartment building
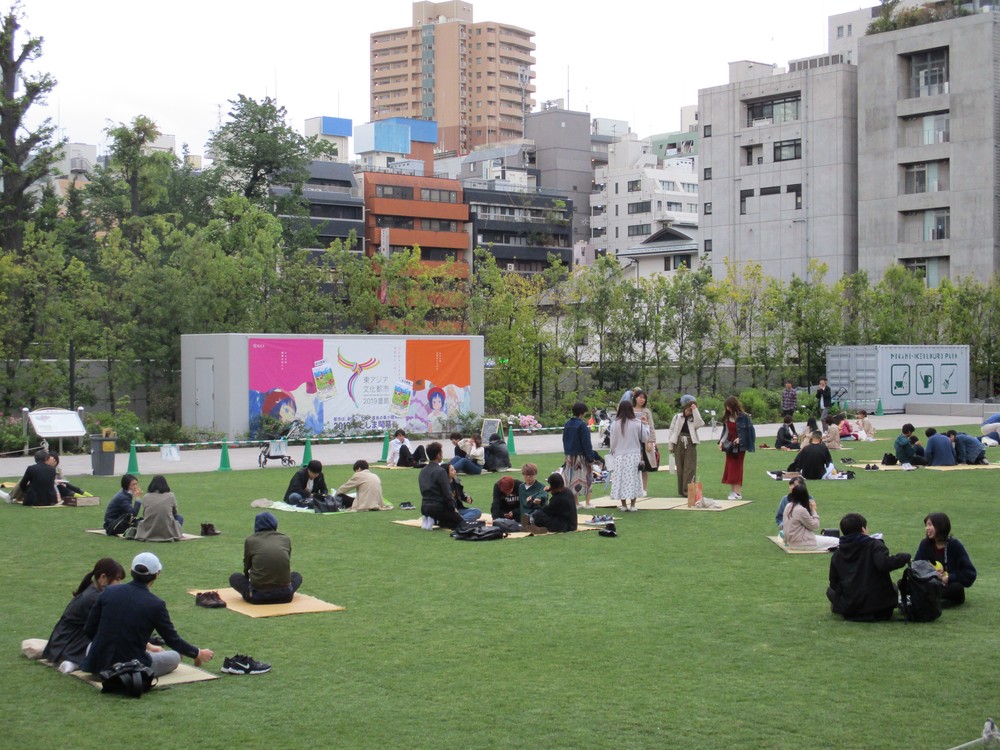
{"type": "Point", "coordinates": [929, 149]}
{"type": "Point", "coordinates": [475, 79]}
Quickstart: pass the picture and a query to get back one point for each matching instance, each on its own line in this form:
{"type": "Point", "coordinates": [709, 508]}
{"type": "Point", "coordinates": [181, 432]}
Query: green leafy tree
{"type": "Point", "coordinates": [26, 154]}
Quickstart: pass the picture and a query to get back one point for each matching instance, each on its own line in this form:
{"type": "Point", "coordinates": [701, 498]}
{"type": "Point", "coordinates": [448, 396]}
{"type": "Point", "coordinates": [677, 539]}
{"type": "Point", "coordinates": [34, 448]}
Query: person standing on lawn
{"type": "Point", "coordinates": [682, 441]}
{"type": "Point", "coordinates": [650, 461]}
{"type": "Point", "coordinates": [789, 400]}
{"type": "Point", "coordinates": [628, 435]}
{"type": "Point", "coordinates": [739, 436]}
{"type": "Point", "coordinates": [824, 398]}
{"type": "Point", "coordinates": [579, 454]}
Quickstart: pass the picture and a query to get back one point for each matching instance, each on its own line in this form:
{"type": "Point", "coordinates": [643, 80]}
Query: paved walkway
{"type": "Point", "coordinates": [347, 453]}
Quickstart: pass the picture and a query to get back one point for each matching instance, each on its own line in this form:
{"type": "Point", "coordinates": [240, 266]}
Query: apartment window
{"type": "Point", "coordinates": [850, 29]}
{"type": "Point", "coordinates": [922, 177]}
{"type": "Point", "coordinates": [937, 224]}
{"type": "Point", "coordinates": [775, 190]}
{"type": "Point", "coordinates": [744, 194]}
{"type": "Point", "coordinates": [616, 209]}
{"type": "Point", "coordinates": [634, 186]}
{"type": "Point", "coordinates": [668, 185]}
{"type": "Point", "coordinates": [616, 188]}
{"type": "Point", "coordinates": [677, 262]}
{"type": "Point", "coordinates": [394, 191]}
{"type": "Point", "coordinates": [797, 191]}
{"type": "Point", "coordinates": [689, 187]}
{"type": "Point", "coordinates": [788, 150]}
{"type": "Point", "coordinates": [707, 174]}
{"type": "Point", "coordinates": [929, 73]}
{"type": "Point", "coordinates": [691, 208]}
{"type": "Point", "coordinates": [439, 225]}
{"type": "Point", "coordinates": [708, 246]}
{"type": "Point", "coordinates": [840, 32]}
{"type": "Point", "coordinates": [638, 230]}
{"type": "Point", "coordinates": [672, 206]}
{"type": "Point", "coordinates": [706, 131]}
{"type": "Point", "coordinates": [616, 233]}
{"type": "Point", "coordinates": [438, 196]}
{"type": "Point", "coordinates": [767, 111]}
{"type": "Point", "coordinates": [708, 209]}
{"type": "Point", "coordinates": [642, 207]}
{"type": "Point", "coordinates": [936, 129]}
{"type": "Point", "coordinates": [394, 222]}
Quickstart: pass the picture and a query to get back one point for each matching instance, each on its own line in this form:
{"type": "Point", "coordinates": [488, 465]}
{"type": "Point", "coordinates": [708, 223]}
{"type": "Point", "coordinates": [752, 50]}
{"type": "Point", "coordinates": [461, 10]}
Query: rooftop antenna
{"type": "Point", "coordinates": [567, 87]}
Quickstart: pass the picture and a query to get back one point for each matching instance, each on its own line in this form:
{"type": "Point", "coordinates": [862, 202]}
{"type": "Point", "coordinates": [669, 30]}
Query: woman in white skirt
{"type": "Point", "coordinates": [628, 435]}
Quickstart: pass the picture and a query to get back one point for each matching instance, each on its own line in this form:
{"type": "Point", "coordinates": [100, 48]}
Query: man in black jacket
{"type": "Point", "coordinates": [437, 504]}
{"type": "Point", "coordinates": [860, 586]}
{"type": "Point", "coordinates": [305, 483]}
{"type": "Point", "coordinates": [38, 485]}
{"type": "Point", "coordinates": [812, 460]}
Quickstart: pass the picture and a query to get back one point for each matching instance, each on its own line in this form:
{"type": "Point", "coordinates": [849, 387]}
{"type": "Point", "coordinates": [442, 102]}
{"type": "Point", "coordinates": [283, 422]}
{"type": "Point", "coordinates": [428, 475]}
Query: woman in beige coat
{"type": "Point", "coordinates": [160, 521]}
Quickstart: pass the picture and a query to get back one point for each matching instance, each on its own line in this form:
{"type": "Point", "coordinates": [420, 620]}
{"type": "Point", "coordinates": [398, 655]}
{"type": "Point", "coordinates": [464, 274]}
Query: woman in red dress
{"type": "Point", "coordinates": [739, 436]}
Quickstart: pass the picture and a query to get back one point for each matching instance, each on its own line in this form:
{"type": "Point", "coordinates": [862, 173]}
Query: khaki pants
{"type": "Point", "coordinates": [686, 460]}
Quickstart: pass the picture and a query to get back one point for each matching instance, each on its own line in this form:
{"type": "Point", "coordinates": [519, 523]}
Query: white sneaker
{"type": "Point", "coordinates": [733, 496]}
{"type": "Point", "coordinates": [5, 496]}
{"type": "Point", "coordinates": [738, 496]}
{"type": "Point", "coordinates": [908, 467]}
{"type": "Point", "coordinates": [426, 523]}
{"type": "Point", "coordinates": [68, 666]}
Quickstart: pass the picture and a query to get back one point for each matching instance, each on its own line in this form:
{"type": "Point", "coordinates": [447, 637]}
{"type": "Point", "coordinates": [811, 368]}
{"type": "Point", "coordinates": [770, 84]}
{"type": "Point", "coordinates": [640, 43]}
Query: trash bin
{"type": "Point", "coordinates": [102, 455]}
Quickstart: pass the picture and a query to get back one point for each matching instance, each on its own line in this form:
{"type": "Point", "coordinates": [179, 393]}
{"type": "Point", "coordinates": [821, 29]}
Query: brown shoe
{"type": "Point", "coordinates": [208, 529]}
{"type": "Point", "coordinates": [209, 600]}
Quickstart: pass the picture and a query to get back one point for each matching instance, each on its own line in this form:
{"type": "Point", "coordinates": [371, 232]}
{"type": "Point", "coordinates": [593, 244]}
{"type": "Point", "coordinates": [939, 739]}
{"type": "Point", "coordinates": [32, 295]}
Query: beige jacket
{"type": "Point", "coordinates": [832, 438]}
{"type": "Point", "coordinates": [369, 487]}
{"type": "Point", "coordinates": [799, 526]}
{"type": "Point", "coordinates": [693, 424]}
{"type": "Point", "coordinates": [158, 523]}
{"type": "Point", "coordinates": [867, 426]}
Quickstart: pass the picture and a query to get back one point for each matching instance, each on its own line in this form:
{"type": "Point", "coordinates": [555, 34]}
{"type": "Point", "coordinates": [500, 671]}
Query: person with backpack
{"type": "Point", "coordinates": [955, 568]}
{"type": "Point", "coordinates": [123, 508]}
{"type": "Point", "coordinates": [860, 587]}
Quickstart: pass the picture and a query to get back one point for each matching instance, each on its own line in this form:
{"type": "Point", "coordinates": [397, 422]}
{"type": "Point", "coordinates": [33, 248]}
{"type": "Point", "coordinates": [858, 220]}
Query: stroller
{"type": "Point", "coordinates": [276, 445]}
{"type": "Point", "coordinates": [603, 427]}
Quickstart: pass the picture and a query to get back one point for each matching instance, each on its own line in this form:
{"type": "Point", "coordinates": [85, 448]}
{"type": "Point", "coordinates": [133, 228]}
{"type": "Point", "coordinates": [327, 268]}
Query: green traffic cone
{"type": "Point", "coordinates": [385, 447]}
{"type": "Point", "coordinates": [845, 406]}
{"type": "Point", "coordinates": [307, 454]}
{"type": "Point", "coordinates": [878, 409]}
{"type": "Point", "coordinates": [133, 461]}
{"type": "Point", "coordinates": [510, 441]}
{"type": "Point", "coordinates": [224, 460]}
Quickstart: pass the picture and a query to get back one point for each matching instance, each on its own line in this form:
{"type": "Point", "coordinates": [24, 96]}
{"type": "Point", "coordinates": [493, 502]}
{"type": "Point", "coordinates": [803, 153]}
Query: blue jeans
{"type": "Point", "coordinates": [470, 514]}
{"type": "Point", "coordinates": [296, 499]}
{"type": "Point", "coordinates": [467, 465]}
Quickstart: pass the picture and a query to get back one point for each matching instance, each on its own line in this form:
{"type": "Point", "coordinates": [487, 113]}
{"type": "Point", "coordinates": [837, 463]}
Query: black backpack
{"type": "Point", "coordinates": [131, 678]}
{"type": "Point", "coordinates": [888, 459]}
{"type": "Point", "coordinates": [920, 592]}
{"type": "Point", "coordinates": [473, 533]}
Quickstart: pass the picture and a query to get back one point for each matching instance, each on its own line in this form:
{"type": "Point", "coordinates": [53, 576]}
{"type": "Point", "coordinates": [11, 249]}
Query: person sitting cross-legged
{"type": "Point", "coordinates": [267, 576]}
{"type": "Point", "coordinates": [305, 483]}
{"type": "Point", "coordinates": [559, 513]}
{"type": "Point", "coordinates": [860, 587]}
{"type": "Point", "coordinates": [939, 450]}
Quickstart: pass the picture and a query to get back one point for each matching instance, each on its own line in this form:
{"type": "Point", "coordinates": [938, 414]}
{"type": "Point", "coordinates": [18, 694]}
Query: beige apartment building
{"type": "Point", "coordinates": [474, 79]}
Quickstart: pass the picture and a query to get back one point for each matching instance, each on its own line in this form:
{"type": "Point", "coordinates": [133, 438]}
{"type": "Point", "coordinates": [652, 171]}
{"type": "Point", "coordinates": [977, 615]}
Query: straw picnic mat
{"type": "Point", "coordinates": [300, 604]}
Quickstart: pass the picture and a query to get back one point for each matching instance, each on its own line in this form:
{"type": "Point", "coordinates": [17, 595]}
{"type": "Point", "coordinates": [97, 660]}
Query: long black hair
{"type": "Point", "coordinates": [106, 566]}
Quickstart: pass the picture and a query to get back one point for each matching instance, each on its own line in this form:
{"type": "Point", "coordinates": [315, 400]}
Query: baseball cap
{"type": "Point", "coordinates": [146, 563]}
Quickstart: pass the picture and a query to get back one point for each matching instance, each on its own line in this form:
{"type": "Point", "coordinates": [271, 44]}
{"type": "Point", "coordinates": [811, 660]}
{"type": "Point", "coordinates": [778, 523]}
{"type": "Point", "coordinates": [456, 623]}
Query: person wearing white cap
{"type": "Point", "coordinates": [124, 618]}
{"type": "Point", "coordinates": [682, 440]}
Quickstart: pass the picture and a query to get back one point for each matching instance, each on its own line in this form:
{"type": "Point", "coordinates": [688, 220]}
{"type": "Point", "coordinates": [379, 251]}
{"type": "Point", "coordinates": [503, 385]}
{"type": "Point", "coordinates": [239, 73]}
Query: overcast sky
{"type": "Point", "coordinates": [180, 62]}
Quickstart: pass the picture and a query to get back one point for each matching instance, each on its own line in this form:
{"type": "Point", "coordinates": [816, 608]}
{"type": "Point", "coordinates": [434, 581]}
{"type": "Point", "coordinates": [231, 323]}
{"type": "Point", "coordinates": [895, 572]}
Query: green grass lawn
{"type": "Point", "coordinates": [690, 630]}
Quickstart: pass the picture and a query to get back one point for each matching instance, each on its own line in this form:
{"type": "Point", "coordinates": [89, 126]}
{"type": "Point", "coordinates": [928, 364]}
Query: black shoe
{"type": "Point", "coordinates": [208, 529]}
{"type": "Point", "coordinates": [407, 506]}
{"type": "Point", "coordinates": [242, 664]}
{"type": "Point", "coordinates": [608, 532]}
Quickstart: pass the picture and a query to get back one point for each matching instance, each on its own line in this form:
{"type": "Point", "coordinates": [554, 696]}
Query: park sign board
{"type": "Point", "coordinates": [898, 375]}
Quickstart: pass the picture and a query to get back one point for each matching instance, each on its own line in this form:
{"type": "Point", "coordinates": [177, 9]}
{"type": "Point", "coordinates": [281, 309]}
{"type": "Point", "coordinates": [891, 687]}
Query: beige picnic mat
{"type": "Point", "coordinates": [643, 503]}
{"type": "Point", "coordinates": [185, 538]}
{"type": "Point", "coordinates": [300, 604]}
{"type": "Point", "coordinates": [798, 550]}
{"type": "Point", "coordinates": [415, 523]}
{"type": "Point", "coordinates": [963, 467]}
{"type": "Point", "coordinates": [726, 505]}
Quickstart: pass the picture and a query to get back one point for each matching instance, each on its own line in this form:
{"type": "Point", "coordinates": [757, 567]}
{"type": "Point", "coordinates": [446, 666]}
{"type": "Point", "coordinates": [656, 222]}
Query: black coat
{"type": "Point", "coordinates": [559, 513]}
{"type": "Point", "coordinates": [860, 585]}
{"type": "Point", "coordinates": [298, 484]}
{"type": "Point", "coordinates": [67, 642]}
{"type": "Point", "coordinates": [39, 485]}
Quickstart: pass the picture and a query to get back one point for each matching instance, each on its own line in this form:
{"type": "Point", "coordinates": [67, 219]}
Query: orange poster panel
{"type": "Point", "coordinates": [439, 361]}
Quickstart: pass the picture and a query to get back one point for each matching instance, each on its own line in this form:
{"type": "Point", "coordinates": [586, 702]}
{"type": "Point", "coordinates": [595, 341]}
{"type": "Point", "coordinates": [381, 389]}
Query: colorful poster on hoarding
{"type": "Point", "coordinates": [352, 384]}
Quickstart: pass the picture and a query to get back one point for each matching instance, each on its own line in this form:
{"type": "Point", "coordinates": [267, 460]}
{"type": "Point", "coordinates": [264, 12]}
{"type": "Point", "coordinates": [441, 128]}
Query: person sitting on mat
{"type": "Point", "coordinates": [864, 424]}
{"type": "Point", "coordinates": [948, 555]}
{"type": "Point", "coordinates": [968, 450]}
{"type": "Point", "coordinates": [939, 450]}
{"type": "Point", "coordinates": [66, 490]}
{"type": "Point", "coordinates": [160, 521]}
{"type": "Point", "coordinates": [831, 436]}
{"type": "Point", "coordinates": [124, 618]}
{"type": "Point", "coordinates": [801, 521]}
{"type": "Point", "coordinates": [402, 452]}
{"type": "Point", "coordinates": [860, 586]}
{"type": "Point", "coordinates": [506, 499]}
{"type": "Point", "coordinates": [467, 512]}
{"type": "Point", "coordinates": [905, 450]}
{"type": "Point", "coordinates": [38, 485]}
{"type": "Point", "coordinates": [812, 460]}
{"type": "Point", "coordinates": [123, 508]}
{"type": "Point", "coordinates": [67, 646]}
{"type": "Point", "coordinates": [305, 483]}
{"type": "Point", "coordinates": [267, 576]}
{"type": "Point", "coordinates": [531, 493]}
{"type": "Point", "coordinates": [559, 513]}
{"type": "Point", "coordinates": [779, 517]}
{"type": "Point", "coordinates": [496, 457]}
{"type": "Point", "coordinates": [437, 505]}
{"type": "Point", "coordinates": [473, 455]}
{"type": "Point", "coordinates": [787, 439]}
{"type": "Point", "coordinates": [368, 486]}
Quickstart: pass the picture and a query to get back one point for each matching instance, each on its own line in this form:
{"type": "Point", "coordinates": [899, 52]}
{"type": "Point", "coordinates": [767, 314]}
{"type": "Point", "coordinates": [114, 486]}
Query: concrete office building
{"type": "Point", "coordinates": [928, 149]}
{"type": "Point", "coordinates": [335, 131]}
{"type": "Point", "coordinates": [778, 156]}
{"type": "Point", "coordinates": [636, 194]}
{"type": "Point", "coordinates": [475, 79]}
